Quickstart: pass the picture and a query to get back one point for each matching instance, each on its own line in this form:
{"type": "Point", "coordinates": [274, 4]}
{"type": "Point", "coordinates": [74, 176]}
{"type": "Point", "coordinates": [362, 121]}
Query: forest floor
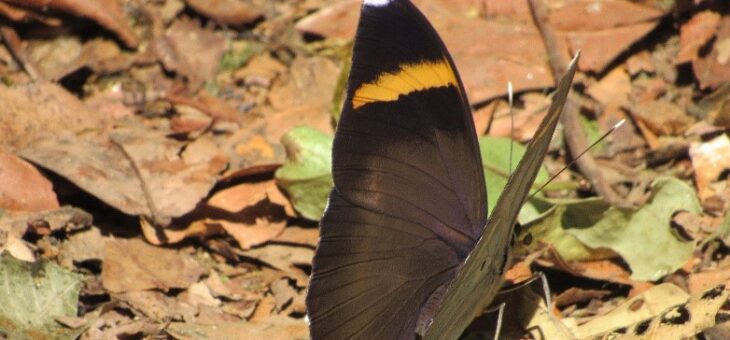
{"type": "Point", "coordinates": [164, 163]}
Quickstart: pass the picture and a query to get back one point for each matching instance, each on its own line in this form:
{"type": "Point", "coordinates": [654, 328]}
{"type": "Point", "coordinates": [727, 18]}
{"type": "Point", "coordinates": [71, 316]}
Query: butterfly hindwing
{"type": "Point", "coordinates": [366, 287]}
{"type": "Point", "coordinates": [409, 200]}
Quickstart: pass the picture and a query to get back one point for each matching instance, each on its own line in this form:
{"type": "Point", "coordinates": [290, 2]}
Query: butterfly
{"type": "Point", "coordinates": [406, 249]}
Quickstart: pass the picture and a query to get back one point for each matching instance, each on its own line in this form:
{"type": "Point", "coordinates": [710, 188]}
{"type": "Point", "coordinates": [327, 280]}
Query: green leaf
{"type": "Point", "coordinates": [551, 228]}
{"type": "Point", "coordinates": [644, 238]}
{"type": "Point", "coordinates": [306, 174]}
{"type": "Point", "coordinates": [33, 296]}
{"type": "Point", "coordinates": [495, 153]}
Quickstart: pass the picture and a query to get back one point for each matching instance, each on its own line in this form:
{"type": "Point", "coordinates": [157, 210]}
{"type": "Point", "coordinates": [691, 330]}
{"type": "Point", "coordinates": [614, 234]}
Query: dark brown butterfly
{"type": "Point", "coordinates": [405, 246]}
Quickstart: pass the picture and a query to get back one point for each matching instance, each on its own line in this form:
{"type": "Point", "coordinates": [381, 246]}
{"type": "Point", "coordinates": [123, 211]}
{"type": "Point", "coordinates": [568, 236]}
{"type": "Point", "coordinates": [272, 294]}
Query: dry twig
{"type": "Point", "coordinates": [575, 137]}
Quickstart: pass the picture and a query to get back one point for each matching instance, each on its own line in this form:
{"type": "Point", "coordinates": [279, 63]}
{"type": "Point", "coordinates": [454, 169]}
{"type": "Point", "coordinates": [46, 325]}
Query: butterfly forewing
{"type": "Point", "coordinates": [409, 200]}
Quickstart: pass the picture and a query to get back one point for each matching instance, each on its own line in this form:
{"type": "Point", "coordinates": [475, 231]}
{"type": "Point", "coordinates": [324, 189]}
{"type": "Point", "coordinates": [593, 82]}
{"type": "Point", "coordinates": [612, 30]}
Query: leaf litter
{"type": "Point", "coordinates": [166, 173]}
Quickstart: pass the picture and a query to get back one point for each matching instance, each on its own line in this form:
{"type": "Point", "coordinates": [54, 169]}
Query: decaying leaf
{"type": "Point", "coordinates": [138, 171]}
{"type": "Point", "coordinates": [35, 295]}
{"type": "Point", "coordinates": [710, 159]}
{"type": "Point", "coordinates": [681, 321]}
{"type": "Point", "coordinates": [642, 237]}
{"type": "Point", "coordinates": [273, 328]}
{"type": "Point", "coordinates": [228, 12]}
{"type": "Point", "coordinates": [133, 265]}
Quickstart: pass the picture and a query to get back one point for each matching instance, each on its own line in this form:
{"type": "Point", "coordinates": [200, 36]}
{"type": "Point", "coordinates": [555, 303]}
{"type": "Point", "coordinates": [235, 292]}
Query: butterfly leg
{"type": "Point", "coordinates": [500, 314]}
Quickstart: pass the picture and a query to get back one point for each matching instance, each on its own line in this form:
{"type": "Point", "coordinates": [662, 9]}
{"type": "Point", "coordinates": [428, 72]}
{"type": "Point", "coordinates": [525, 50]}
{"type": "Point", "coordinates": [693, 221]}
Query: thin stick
{"type": "Point", "coordinates": [575, 159]}
{"type": "Point", "coordinates": [575, 137]}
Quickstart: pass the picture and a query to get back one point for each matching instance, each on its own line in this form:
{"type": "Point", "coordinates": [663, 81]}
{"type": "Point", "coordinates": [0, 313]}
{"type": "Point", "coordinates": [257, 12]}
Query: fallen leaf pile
{"type": "Point", "coordinates": [164, 164]}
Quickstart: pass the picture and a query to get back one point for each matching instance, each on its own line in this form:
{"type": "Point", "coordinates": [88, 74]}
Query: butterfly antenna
{"type": "Point", "coordinates": [510, 99]}
{"type": "Point", "coordinates": [616, 126]}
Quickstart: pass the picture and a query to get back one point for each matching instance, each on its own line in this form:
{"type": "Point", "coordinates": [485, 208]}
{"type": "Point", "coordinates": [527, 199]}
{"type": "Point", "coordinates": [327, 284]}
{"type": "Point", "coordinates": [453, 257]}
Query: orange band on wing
{"type": "Point", "coordinates": [409, 78]}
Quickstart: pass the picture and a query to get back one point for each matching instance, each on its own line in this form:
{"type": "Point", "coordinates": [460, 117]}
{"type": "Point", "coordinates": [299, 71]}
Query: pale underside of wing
{"type": "Point", "coordinates": [481, 274]}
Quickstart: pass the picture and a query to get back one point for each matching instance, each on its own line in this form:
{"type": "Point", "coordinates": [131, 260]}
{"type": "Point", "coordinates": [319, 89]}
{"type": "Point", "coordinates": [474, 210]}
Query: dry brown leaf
{"type": "Point", "coordinates": [298, 304]}
{"type": "Point", "coordinates": [613, 89]}
{"type": "Point", "coordinates": [519, 272]}
{"type": "Point", "coordinates": [119, 324]}
{"type": "Point", "coordinates": [110, 102]}
{"type": "Point", "coordinates": [264, 310]}
{"type": "Point", "coordinates": [344, 13]}
{"type": "Point", "coordinates": [214, 315]}
{"type": "Point", "coordinates": [107, 13]}
{"type": "Point", "coordinates": [651, 302]}
{"type": "Point", "coordinates": [197, 295]}
{"type": "Point", "coordinates": [189, 121]}
{"type": "Point", "coordinates": [23, 187]}
{"type": "Point", "coordinates": [211, 105]}
{"type": "Point", "coordinates": [250, 148]}
{"type": "Point", "coordinates": [228, 12]}
{"type": "Point", "coordinates": [695, 33]}
{"type": "Point", "coordinates": [242, 309]}
{"type": "Point", "coordinates": [583, 15]}
{"type": "Point", "coordinates": [681, 321]}
{"type": "Point", "coordinates": [17, 248]}
{"type": "Point", "coordinates": [132, 265]}
{"type": "Point", "coordinates": [171, 176]}
{"type": "Point", "coordinates": [640, 62]}
{"type": "Point", "coordinates": [262, 69]}
{"type": "Point", "coordinates": [280, 256]}
{"type": "Point", "coordinates": [155, 305]}
{"type": "Point", "coordinates": [299, 236]}
{"type": "Point", "coordinates": [82, 246]}
{"type": "Point", "coordinates": [239, 197]}
{"type": "Point", "coordinates": [662, 118]}
{"type": "Point", "coordinates": [273, 328]}
{"type": "Point", "coordinates": [574, 295]}
{"type": "Point", "coordinates": [600, 270]}
{"type": "Point", "coordinates": [709, 159]}
{"type": "Point", "coordinates": [283, 293]}
{"type": "Point", "coordinates": [620, 140]}
{"type": "Point", "coordinates": [56, 58]}
{"type": "Point", "coordinates": [305, 97]}
{"type": "Point", "coordinates": [702, 281]}
{"type": "Point", "coordinates": [243, 211]}
{"type": "Point", "coordinates": [646, 89]}
{"type": "Point", "coordinates": [159, 235]}
{"type": "Point", "coordinates": [713, 68]}
{"type": "Point", "coordinates": [219, 289]}
{"type": "Point", "coordinates": [22, 15]}
{"type": "Point", "coordinates": [66, 218]}
{"type": "Point", "coordinates": [248, 235]}
{"type": "Point", "coordinates": [174, 51]}
{"type": "Point", "coordinates": [515, 51]}
{"type": "Point", "coordinates": [41, 109]}
{"type": "Point", "coordinates": [252, 286]}
{"type": "Point", "coordinates": [599, 48]}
